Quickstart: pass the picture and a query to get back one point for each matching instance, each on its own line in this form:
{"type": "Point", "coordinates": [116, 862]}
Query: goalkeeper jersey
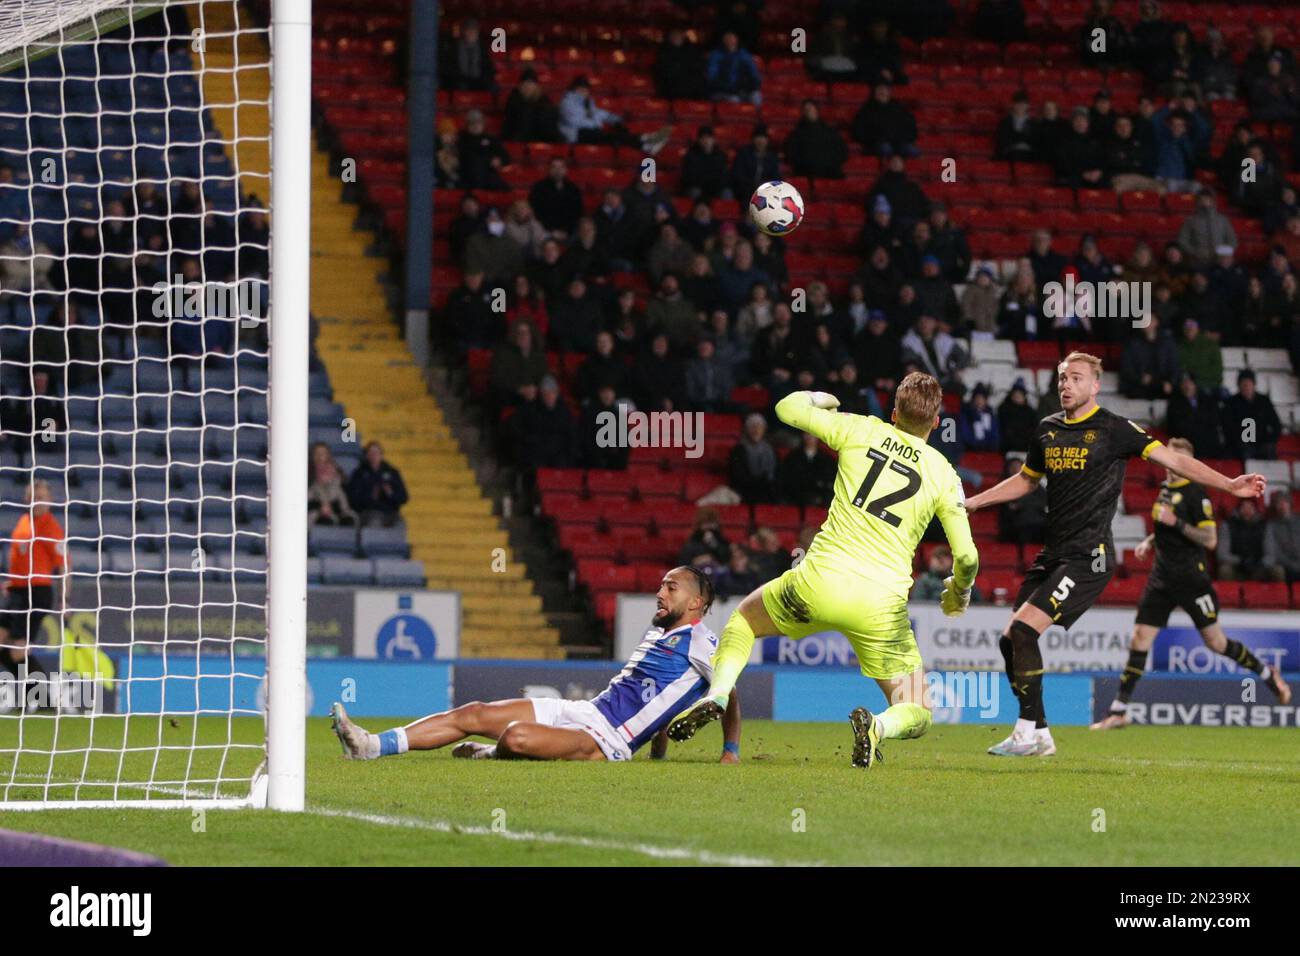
{"type": "Point", "coordinates": [889, 485]}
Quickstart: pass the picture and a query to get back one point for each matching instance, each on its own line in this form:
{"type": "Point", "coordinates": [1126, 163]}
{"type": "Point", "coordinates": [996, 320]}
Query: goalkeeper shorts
{"type": "Point", "coordinates": [875, 622]}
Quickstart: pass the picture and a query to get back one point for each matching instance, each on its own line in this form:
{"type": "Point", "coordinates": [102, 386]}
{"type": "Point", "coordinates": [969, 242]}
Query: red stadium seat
{"type": "Point", "coordinates": [1265, 594]}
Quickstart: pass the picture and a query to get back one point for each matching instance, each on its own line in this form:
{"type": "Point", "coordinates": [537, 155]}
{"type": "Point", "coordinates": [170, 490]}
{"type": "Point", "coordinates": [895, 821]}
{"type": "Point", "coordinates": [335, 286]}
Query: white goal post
{"type": "Point", "coordinates": [155, 176]}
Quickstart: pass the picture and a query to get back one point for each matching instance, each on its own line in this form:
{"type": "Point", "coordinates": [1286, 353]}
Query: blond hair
{"type": "Point", "coordinates": [1085, 358]}
{"type": "Point", "coordinates": [917, 402]}
{"type": "Point", "coordinates": [1183, 445]}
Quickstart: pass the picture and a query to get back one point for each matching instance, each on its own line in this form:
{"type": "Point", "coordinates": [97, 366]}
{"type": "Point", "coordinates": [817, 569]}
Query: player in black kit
{"type": "Point", "coordinates": [1185, 530]}
{"type": "Point", "coordinates": [1081, 451]}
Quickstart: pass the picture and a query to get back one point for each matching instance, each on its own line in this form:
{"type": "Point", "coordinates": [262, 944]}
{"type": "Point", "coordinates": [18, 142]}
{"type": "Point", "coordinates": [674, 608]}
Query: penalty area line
{"type": "Point", "coordinates": [705, 857]}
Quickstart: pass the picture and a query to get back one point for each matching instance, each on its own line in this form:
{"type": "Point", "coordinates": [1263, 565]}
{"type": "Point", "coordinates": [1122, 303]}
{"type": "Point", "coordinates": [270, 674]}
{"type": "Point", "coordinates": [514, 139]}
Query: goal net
{"type": "Point", "coordinates": [137, 371]}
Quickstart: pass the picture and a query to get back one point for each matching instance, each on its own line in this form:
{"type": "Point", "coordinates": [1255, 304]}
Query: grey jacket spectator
{"type": "Point", "coordinates": [709, 381]}
{"type": "Point", "coordinates": [493, 253]}
{"type": "Point", "coordinates": [1241, 543]}
{"type": "Point", "coordinates": [934, 351]}
{"type": "Point", "coordinates": [980, 302]}
{"type": "Point", "coordinates": [1282, 540]}
{"type": "Point", "coordinates": [1251, 426]}
{"type": "Point", "coordinates": [752, 465]}
{"type": "Point", "coordinates": [1149, 367]}
{"type": "Point", "coordinates": [1204, 231]}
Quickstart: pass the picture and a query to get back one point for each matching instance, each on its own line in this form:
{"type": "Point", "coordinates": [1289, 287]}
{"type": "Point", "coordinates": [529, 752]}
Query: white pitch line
{"type": "Point", "coordinates": [558, 839]}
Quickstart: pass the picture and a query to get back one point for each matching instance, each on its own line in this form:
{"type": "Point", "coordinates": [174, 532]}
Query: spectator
{"type": "Point", "coordinates": [1230, 164]}
{"type": "Point", "coordinates": [669, 312]}
{"type": "Point", "coordinates": [806, 476]}
{"type": "Point", "coordinates": [1149, 367]}
{"type": "Point", "coordinates": [704, 168]}
{"type": "Point", "coordinates": [603, 367]}
{"type": "Point", "coordinates": [1218, 74]}
{"type": "Point", "coordinates": [754, 164]}
{"type": "Point", "coordinates": [883, 126]}
{"type": "Point", "coordinates": [706, 538]}
{"type": "Point", "coordinates": [1174, 272]}
{"type": "Point", "coordinates": [548, 274]}
{"type": "Point", "coordinates": [814, 148]}
{"type": "Point", "coordinates": [755, 315]}
{"type": "Point", "coordinates": [1251, 427]}
{"type": "Point", "coordinates": [700, 285]}
{"type": "Point", "coordinates": [1282, 540]}
{"type": "Point", "coordinates": [1273, 95]}
{"type": "Point", "coordinates": [1017, 420]}
{"type": "Point", "coordinates": [1048, 130]}
{"type": "Point", "coordinates": [327, 501]}
{"type": "Point", "coordinates": [523, 228]}
{"type": "Point", "coordinates": [543, 433]}
{"type": "Point", "coordinates": [1257, 195]}
{"type": "Point", "coordinates": [935, 352]}
{"type": "Point", "coordinates": [525, 304]}
{"type": "Point", "coordinates": [752, 465]}
{"type": "Point", "coordinates": [470, 316]}
{"type": "Point", "coordinates": [1141, 265]}
{"type": "Point", "coordinates": [880, 277]}
{"type": "Point", "coordinates": [775, 355]}
{"type": "Point", "coordinates": [739, 579]}
{"type": "Point", "coordinates": [1240, 551]}
{"type": "Point", "coordinates": [557, 200]}
{"type": "Point", "coordinates": [1047, 264]}
{"type": "Point", "coordinates": [906, 199]}
{"type": "Point", "coordinates": [766, 555]}
{"type": "Point", "coordinates": [1176, 152]}
{"type": "Point", "coordinates": [517, 367]}
{"type": "Point", "coordinates": [25, 265]}
{"type": "Point", "coordinates": [1015, 138]}
{"type": "Point", "coordinates": [481, 155]}
{"type": "Point", "coordinates": [731, 74]}
{"type": "Point", "coordinates": [469, 221]}
{"type": "Point", "coordinates": [679, 68]}
{"type": "Point", "coordinates": [67, 349]}
{"type": "Point", "coordinates": [1204, 231]}
{"type": "Point", "coordinates": [37, 559]}
{"type": "Point", "coordinates": [1282, 208]}
{"type": "Point", "coordinates": [467, 63]}
{"type": "Point", "coordinates": [856, 396]}
{"type": "Point", "coordinates": [446, 157]}
{"type": "Point", "coordinates": [832, 53]}
{"type": "Point", "coordinates": [880, 58]}
{"type": "Point", "coordinates": [1265, 50]}
{"type": "Point", "coordinates": [530, 117]}
{"type": "Point", "coordinates": [1079, 161]}
{"type": "Point", "coordinates": [1200, 357]}
{"type": "Point", "coordinates": [881, 232]}
{"type": "Point", "coordinates": [1195, 417]}
{"type": "Point", "coordinates": [879, 353]}
{"type": "Point", "coordinates": [658, 378]}
{"type": "Point", "coordinates": [376, 490]}
{"type": "Point", "coordinates": [575, 319]}
{"type": "Point", "coordinates": [671, 254]}
{"type": "Point", "coordinates": [935, 295]}
{"type": "Point", "coordinates": [582, 121]}
{"type": "Point", "coordinates": [709, 381]}
{"type": "Point", "coordinates": [930, 583]}
{"type": "Point", "coordinates": [1130, 161]}
{"type": "Point", "coordinates": [1023, 521]}
{"type": "Point", "coordinates": [648, 207]}
{"type": "Point", "coordinates": [585, 254]}
{"type": "Point", "coordinates": [948, 242]}
{"type": "Point", "coordinates": [980, 304]}
{"type": "Point", "coordinates": [731, 351]}
{"type": "Point", "coordinates": [1152, 36]}
{"type": "Point", "coordinates": [596, 452]}
{"type": "Point", "coordinates": [769, 257]}
{"type": "Point", "coordinates": [977, 424]}
{"type": "Point", "coordinates": [617, 231]}
{"type": "Point", "coordinates": [735, 281]}
{"type": "Point", "coordinates": [1104, 40]}
{"type": "Point", "coordinates": [491, 252]}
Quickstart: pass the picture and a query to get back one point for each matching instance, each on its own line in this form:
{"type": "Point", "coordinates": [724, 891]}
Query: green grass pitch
{"type": "Point", "coordinates": [1141, 796]}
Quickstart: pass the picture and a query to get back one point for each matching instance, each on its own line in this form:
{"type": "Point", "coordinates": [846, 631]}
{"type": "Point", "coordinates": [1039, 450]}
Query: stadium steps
{"type": "Point", "coordinates": [236, 78]}
{"type": "Point", "coordinates": [450, 524]}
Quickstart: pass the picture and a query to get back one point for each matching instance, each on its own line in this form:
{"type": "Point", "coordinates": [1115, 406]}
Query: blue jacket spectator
{"type": "Point", "coordinates": [978, 426]}
{"type": "Point", "coordinates": [731, 73]}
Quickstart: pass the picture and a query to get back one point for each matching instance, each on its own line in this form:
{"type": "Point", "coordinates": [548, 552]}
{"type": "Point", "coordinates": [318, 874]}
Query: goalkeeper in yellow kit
{"type": "Point", "coordinates": [857, 573]}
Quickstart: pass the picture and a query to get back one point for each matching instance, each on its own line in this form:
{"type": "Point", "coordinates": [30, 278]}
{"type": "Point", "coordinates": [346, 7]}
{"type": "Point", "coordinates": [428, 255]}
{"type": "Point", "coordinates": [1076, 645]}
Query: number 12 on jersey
{"type": "Point", "coordinates": [879, 507]}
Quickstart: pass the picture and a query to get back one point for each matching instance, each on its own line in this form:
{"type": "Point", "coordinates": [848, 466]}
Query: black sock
{"type": "Point", "coordinates": [1236, 651]}
{"type": "Point", "coordinates": [1027, 679]}
{"type": "Point", "coordinates": [1004, 645]}
{"type": "Point", "coordinates": [1133, 671]}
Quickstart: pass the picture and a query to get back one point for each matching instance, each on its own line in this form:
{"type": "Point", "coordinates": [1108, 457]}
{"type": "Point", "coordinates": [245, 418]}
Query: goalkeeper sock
{"type": "Point", "coordinates": [903, 722]}
{"type": "Point", "coordinates": [1027, 678]}
{"type": "Point", "coordinates": [734, 648]}
{"type": "Point", "coordinates": [393, 742]}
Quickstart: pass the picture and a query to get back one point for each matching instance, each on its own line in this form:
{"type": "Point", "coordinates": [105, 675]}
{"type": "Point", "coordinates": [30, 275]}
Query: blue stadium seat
{"type": "Point", "coordinates": [326, 540]}
{"type": "Point", "coordinates": [385, 542]}
{"type": "Point", "coordinates": [314, 571]}
{"type": "Point", "coordinates": [347, 571]}
{"type": "Point", "coordinates": [399, 573]}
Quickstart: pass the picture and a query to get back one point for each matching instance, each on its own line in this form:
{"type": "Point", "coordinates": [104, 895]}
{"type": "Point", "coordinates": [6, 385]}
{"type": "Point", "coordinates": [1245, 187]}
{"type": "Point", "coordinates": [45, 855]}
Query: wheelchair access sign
{"type": "Point", "coordinates": [407, 625]}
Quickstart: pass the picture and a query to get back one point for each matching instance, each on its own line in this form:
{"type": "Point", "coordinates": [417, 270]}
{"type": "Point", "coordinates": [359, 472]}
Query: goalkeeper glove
{"type": "Point", "coordinates": [823, 400]}
{"type": "Point", "coordinates": [952, 601]}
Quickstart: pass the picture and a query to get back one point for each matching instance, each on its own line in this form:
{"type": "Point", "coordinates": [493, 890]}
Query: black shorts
{"type": "Point", "coordinates": [1196, 596]}
{"type": "Point", "coordinates": [24, 612]}
{"type": "Point", "coordinates": [1063, 588]}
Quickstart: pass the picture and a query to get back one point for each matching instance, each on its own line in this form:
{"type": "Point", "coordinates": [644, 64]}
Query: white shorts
{"type": "Point", "coordinates": [581, 715]}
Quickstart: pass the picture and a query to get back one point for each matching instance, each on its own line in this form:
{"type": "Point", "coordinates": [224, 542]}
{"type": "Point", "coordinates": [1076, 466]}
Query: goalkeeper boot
{"type": "Point", "coordinates": [357, 743]}
{"type": "Point", "coordinates": [1020, 745]}
{"type": "Point", "coordinates": [866, 738]}
{"type": "Point", "coordinates": [685, 725]}
{"type": "Point", "coordinates": [472, 750]}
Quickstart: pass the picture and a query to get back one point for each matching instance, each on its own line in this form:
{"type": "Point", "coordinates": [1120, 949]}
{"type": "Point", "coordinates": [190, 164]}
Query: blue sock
{"type": "Point", "coordinates": [392, 742]}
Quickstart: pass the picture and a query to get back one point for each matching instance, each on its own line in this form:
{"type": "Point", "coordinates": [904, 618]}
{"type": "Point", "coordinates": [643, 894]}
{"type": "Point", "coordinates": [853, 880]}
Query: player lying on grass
{"type": "Point", "coordinates": [668, 672]}
{"type": "Point", "coordinates": [1184, 531]}
{"type": "Point", "coordinates": [857, 573]}
{"type": "Point", "coordinates": [1082, 451]}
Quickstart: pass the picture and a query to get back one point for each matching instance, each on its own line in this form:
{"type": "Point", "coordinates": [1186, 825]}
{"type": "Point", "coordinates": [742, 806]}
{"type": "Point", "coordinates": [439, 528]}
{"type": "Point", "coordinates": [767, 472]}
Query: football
{"type": "Point", "coordinates": [776, 208]}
